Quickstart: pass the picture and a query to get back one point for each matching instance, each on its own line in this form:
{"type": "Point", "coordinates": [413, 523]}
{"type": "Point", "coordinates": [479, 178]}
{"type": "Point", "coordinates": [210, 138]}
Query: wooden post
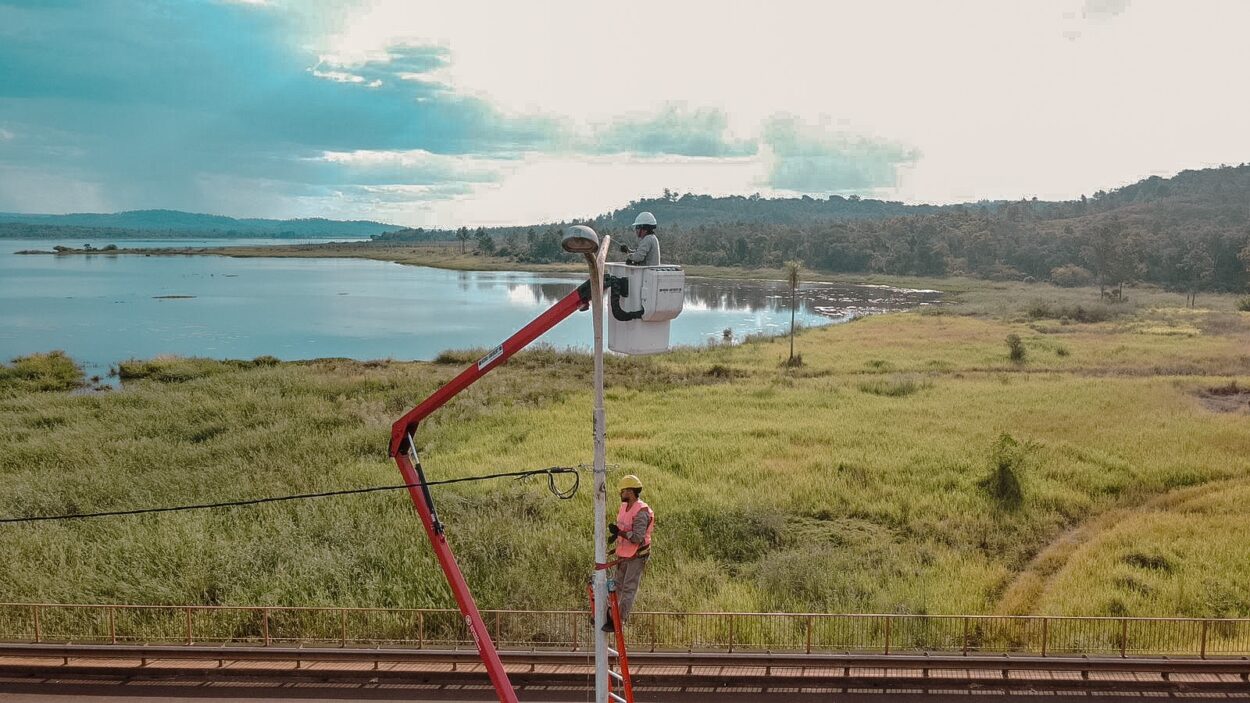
{"type": "Point", "coordinates": [38, 629]}
{"type": "Point", "coordinates": [112, 626]}
{"type": "Point", "coordinates": [1202, 652]}
{"type": "Point", "coordinates": [809, 634]}
{"type": "Point", "coordinates": [1123, 637]}
{"type": "Point", "coordinates": [1045, 634]}
{"type": "Point", "coordinates": [888, 622]}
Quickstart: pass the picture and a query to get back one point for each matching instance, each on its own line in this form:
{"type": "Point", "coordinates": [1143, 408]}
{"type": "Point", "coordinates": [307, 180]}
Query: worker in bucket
{"type": "Point", "coordinates": [632, 534]}
{"type": "Point", "coordinates": [648, 251]}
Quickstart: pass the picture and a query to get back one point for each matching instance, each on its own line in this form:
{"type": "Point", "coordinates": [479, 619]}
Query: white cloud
{"type": "Point", "coordinates": [553, 188]}
{"type": "Point", "coordinates": [992, 95]}
{"type": "Point", "coordinates": [975, 99]}
{"type": "Point", "coordinates": [337, 76]}
{"type": "Point", "coordinates": [417, 166]}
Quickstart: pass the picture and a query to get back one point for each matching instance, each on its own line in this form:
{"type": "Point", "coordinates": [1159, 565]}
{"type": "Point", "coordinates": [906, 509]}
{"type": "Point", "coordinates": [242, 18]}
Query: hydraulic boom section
{"type": "Point", "coordinates": [403, 449]}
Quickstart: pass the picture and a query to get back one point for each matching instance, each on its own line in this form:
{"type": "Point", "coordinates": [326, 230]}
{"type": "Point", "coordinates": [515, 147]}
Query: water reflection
{"type": "Point", "coordinates": [814, 299]}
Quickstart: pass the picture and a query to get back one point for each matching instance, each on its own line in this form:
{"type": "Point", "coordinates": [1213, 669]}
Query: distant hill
{"type": "Point", "coordinates": [174, 223]}
{"type": "Point", "coordinates": [692, 210]}
{"type": "Point", "coordinates": [1189, 232]}
{"type": "Point", "coordinates": [1219, 194]}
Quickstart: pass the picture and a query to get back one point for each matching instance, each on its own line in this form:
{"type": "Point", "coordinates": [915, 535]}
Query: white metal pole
{"type": "Point", "coordinates": [601, 475]}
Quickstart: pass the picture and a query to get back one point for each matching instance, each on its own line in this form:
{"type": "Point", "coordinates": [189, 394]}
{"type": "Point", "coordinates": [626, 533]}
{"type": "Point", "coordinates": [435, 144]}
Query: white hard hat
{"type": "Point", "coordinates": [644, 218]}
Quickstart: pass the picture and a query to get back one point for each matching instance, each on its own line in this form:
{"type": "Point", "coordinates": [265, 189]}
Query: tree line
{"type": "Point", "coordinates": [1190, 232]}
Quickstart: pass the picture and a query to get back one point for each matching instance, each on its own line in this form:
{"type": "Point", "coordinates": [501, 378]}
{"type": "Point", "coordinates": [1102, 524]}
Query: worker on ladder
{"type": "Point", "coordinates": [648, 251]}
{"type": "Point", "coordinates": [632, 533]}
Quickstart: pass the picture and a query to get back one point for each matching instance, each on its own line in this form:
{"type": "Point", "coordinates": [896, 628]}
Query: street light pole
{"type": "Point", "coordinates": [580, 239]}
{"type": "Point", "coordinates": [596, 262]}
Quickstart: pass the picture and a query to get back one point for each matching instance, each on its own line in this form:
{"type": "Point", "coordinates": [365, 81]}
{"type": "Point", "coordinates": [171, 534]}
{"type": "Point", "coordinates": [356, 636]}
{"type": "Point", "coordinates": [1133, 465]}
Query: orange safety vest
{"type": "Point", "coordinates": [626, 549]}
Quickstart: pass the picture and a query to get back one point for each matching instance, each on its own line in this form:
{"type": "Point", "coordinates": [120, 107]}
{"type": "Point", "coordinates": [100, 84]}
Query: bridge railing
{"type": "Point", "coordinates": [437, 628]}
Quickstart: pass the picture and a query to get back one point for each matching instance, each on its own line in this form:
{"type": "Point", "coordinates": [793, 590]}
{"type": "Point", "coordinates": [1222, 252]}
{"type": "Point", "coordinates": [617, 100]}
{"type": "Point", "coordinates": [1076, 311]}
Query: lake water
{"type": "Point", "coordinates": [101, 309]}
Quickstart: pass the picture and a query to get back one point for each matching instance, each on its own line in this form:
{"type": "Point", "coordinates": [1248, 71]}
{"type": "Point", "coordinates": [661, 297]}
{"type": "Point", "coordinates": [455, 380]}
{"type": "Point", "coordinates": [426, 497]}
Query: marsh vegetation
{"type": "Point", "coordinates": [909, 465]}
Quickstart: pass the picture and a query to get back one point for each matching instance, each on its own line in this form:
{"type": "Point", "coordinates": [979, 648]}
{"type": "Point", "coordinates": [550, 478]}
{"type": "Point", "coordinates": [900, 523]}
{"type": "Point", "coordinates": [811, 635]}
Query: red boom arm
{"type": "Point", "coordinates": [409, 463]}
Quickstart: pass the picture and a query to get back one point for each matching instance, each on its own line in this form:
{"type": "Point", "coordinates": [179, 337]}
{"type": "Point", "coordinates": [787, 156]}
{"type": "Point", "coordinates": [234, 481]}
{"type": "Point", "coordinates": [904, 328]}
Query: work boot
{"type": "Point", "coordinates": [607, 624]}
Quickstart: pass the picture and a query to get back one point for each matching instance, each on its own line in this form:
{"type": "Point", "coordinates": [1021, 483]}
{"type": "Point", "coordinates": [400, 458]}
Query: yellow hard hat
{"type": "Point", "coordinates": [630, 481]}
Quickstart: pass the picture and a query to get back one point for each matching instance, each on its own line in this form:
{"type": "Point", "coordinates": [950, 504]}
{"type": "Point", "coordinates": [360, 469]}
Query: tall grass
{"type": "Point", "coordinates": [776, 489]}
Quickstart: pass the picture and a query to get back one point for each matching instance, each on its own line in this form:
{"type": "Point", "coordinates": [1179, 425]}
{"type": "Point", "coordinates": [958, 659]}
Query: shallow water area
{"type": "Point", "coordinates": [102, 308]}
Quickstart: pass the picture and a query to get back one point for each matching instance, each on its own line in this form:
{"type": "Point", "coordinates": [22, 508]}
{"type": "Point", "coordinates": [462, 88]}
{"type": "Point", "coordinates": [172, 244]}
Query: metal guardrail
{"type": "Point", "coordinates": [808, 633]}
{"type": "Point", "coordinates": [763, 672]}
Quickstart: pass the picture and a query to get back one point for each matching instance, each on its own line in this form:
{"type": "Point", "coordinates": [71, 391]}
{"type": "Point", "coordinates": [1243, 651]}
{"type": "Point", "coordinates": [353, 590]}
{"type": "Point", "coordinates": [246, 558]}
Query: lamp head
{"type": "Point", "coordinates": [579, 239]}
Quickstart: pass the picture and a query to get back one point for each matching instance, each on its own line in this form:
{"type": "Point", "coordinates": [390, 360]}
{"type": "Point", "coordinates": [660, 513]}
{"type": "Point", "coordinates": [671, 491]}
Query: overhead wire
{"type": "Point", "coordinates": [550, 472]}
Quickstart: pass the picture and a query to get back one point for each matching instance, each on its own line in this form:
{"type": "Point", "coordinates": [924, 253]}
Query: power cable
{"type": "Point", "coordinates": [550, 472]}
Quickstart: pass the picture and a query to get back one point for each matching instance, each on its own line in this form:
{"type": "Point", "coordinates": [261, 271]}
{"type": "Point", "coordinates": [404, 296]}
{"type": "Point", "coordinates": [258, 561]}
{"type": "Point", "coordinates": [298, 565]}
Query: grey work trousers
{"type": "Point", "coordinates": [628, 577]}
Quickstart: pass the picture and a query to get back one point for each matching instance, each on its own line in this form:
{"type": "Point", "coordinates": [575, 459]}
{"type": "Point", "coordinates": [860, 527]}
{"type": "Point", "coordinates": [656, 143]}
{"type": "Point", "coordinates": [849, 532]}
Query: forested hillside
{"type": "Point", "coordinates": [1188, 232]}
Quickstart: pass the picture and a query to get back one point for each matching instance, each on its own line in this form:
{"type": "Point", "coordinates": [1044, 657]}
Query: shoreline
{"type": "Point", "coordinates": [444, 256]}
{"type": "Point", "coordinates": [960, 294]}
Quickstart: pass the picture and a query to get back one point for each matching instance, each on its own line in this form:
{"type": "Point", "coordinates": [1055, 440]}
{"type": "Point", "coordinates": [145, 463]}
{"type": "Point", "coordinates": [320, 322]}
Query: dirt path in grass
{"type": "Point", "coordinates": [1026, 590]}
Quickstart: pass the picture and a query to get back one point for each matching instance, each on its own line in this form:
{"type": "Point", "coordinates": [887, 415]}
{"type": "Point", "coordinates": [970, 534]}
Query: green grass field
{"type": "Point", "coordinates": [856, 482]}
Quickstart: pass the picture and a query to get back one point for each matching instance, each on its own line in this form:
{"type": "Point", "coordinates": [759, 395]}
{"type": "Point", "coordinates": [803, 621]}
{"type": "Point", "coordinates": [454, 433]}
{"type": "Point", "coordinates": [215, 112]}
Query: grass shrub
{"type": "Point", "coordinates": [53, 371]}
{"type": "Point", "coordinates": [1015, 348]}
{"type": "Point", "coordinates": [1243, 304]}
{"type": "Point", "coordinates": [1004, 484]}
{"type": "Point", "coordinates": [1079, 312]}
{"type": "Point", "coordinates": [179, 369]}
{"type": "Point", "coordinates": [899, 387]}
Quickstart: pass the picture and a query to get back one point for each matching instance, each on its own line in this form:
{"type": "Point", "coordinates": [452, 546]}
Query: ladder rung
{"type": "Point", "coordinates": [615, 697]}
{"type": "Point", "coordinates": [615, 675]}
{"type": "Point", "coordinates": [613, 652]}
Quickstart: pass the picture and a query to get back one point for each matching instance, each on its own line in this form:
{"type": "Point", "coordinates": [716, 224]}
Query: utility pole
{"type": "Point", "coordinates": [584, 240]}
{"type": "Point", "coordinates": [601, 476]}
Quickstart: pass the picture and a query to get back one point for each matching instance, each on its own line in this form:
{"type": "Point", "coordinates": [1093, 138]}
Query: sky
{"type": "Point", "coordinates": [442, 114]}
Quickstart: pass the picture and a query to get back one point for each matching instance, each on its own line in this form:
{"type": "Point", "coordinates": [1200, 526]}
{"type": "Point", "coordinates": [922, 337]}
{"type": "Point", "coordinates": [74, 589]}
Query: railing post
{"type": "Point", "coordinates": [731, 634]}
{"type": "Point", "coordinates": [888, 622]}
{"type": "Point", "coordinates": [965, 643]}
{"type": "Point", "coordinates": [575, 620]}
{"type": "Point", "coordinates": [1202, 651]}
{"type": "Point", "coordinates": [1045, 634]}
{"type": "Point", "coordinates": [38, 629]}
{"type": "Point", "coordinates": [190, 639]}
{"type": "Point", "coordinates": [497, 627]}
{"type": "Point", "coordinates": [420, 629]}
{"type": "Point", "coordinates": [1123, 637]}
{"type": "Point", "coordinates": [342, 627]}
{"type": "Point", "coordinates": [264, 625]}
{"type": "Point", "coordinates": [809, 634]}
{"type": "Point", "coordinates": [112, 625]}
